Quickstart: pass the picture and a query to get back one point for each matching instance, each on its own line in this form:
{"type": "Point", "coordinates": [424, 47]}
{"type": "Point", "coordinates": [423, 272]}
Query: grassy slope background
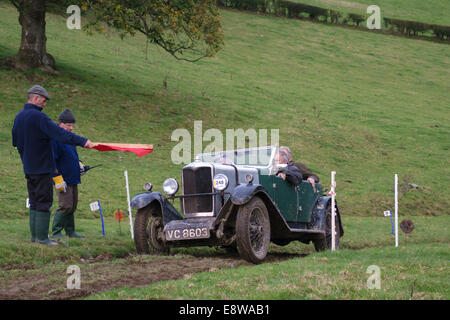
{"type": "Point", "coordinates": [435, 12]}
{"type": "Point", "coordinates": [363, 104]}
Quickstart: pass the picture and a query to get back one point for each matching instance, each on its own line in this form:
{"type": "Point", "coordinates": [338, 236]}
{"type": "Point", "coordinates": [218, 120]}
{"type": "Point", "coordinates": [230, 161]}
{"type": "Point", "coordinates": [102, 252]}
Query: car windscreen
{"type": "Point", "coordinates": [258, 157]}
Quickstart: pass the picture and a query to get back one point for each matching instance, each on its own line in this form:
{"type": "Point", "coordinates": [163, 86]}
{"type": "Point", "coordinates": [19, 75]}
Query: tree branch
{"type": "Point", "coordinates": [15, 4]}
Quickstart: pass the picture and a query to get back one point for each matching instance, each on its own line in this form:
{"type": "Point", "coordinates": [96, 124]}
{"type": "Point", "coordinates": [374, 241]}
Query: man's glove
{"type": "Point", "coordinates": [60, 184]}
{"type": "Point", "coordinates": [82, 168]}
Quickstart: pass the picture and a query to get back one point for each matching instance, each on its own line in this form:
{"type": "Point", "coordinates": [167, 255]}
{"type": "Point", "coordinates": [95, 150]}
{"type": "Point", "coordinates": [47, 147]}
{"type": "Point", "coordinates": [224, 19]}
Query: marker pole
{"type": "Point", "coordinates": [392, 223]}
{"type": "Point", "coordinates": [101, 215]}
{"type": "Point", "coordinates": [129, 206]}
{"type": "Point", "coordinates": [333, 211]}
{"type": "Point", "coordinates": [396, 210]}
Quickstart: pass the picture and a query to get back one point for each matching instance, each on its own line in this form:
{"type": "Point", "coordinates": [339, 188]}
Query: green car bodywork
{"type": "Point", "coordinates": [294, 202]}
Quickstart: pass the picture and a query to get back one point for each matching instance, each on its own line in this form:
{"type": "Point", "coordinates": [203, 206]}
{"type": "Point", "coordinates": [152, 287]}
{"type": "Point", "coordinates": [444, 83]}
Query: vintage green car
{"type": "Point", "coordinates": [234, 199]}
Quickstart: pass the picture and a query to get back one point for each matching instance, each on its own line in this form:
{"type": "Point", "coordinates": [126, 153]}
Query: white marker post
{"type": "Point", "coordinates": [333, 211]}
{"type": "Point", "coordinates": [396, 210]}
{"type": "Point", "coordinates": [129, 206]}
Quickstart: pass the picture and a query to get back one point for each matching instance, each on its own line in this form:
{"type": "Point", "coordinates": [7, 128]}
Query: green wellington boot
{"type": "Point", "coordinates": [42, 221]}
{"type": "Point", "coordinates": [70, 227]}
{"type": "Point", "coordinates": [33, 225]}
{"type": "Point", "coordinates": [59, 224]}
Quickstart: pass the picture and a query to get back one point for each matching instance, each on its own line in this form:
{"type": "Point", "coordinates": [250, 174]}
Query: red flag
{"type": "Point", "coordinates": [139, 149]}
{"type": "Point", "coordinates": [119, 215]}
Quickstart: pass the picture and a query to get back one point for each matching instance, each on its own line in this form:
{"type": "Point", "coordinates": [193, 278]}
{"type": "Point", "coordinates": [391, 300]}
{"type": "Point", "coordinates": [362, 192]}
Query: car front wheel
{"type": "Point", "coordinates": [253, 231]}
{"type": "Point", "coordinates": [148, 230]}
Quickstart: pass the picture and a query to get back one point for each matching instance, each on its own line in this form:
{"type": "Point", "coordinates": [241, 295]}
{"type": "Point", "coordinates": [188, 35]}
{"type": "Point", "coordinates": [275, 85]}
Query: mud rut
{"type": "Point", "coordinates": [105, 273]}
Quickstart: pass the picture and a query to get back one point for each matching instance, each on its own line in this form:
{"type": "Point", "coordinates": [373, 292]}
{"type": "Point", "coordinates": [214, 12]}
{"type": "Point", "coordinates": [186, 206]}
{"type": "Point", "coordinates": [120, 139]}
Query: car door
{"type": "Point", "coordinates": [286, 198]}
{"type": "Point", "coordinates": [307, 199]}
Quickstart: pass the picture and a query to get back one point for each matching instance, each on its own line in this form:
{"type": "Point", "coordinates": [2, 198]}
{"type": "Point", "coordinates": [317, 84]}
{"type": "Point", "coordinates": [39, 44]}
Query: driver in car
{"type": "Point", "coordinates": [306, 173]}
{"type": "Point", "coordinates": [292, 173]}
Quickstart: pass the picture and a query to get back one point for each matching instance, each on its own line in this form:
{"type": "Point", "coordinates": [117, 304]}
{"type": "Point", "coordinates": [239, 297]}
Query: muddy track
{"type": "Point", "coordinates": [103, 274]}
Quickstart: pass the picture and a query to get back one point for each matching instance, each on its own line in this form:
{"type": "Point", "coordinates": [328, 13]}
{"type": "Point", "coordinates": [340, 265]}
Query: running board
{"type": "Point", "coordinates": [305, 234]}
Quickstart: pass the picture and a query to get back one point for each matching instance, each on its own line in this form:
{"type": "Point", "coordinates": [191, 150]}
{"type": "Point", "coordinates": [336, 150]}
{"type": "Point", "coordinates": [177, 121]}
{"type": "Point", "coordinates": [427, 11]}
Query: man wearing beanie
{"type": "Point", "coordinates": [67, 164]}
{"type": "Point", "coordinates": [32, 134]}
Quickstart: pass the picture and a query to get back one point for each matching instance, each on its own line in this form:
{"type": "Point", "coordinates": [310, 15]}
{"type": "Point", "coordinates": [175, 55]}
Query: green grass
{"type": "Point", "coordinates": [365, 105]}
{"type": "Point", "coordinates": [422, 259]}
{"type": "Point", "coordinates": [434, 12]}
{"type": "Point", "coordinates": [17, 252]}
{"type": "Point", "coordinates": [340, 275]}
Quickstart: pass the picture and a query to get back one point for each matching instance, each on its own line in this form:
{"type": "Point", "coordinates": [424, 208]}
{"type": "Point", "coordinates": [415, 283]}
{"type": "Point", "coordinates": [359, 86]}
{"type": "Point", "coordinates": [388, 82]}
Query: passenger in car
{"type": "Point", "coordinates": [292, 173]}
{"type": "Point", "coordinates": [306, 172]}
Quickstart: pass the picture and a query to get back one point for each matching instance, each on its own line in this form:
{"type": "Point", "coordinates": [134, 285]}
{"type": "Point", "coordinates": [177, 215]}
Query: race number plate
{"type": "Point", "coordinates": [187, 233]}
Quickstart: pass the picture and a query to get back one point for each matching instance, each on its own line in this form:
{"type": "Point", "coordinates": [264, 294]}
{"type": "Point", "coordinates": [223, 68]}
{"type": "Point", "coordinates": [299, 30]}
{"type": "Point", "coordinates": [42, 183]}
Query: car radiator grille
{"type": "Point", "coordinates": [197, 180]}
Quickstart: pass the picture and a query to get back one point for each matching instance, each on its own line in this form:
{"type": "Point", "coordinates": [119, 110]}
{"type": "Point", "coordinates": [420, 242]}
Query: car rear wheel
{"type": "Point", "coordinates": [253, 231]}
{"type": "Point", "coordinates": [148, 231]}
{"type": "Point", "coordinates": [325, 243]}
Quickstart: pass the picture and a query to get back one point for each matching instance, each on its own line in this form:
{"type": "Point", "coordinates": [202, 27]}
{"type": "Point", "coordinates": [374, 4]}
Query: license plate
{"type": "Point", "coordinates": [187, 233]}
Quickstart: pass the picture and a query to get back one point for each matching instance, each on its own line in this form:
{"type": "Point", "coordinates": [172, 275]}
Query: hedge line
{"type": "Point", "coordinates": [305, 11]}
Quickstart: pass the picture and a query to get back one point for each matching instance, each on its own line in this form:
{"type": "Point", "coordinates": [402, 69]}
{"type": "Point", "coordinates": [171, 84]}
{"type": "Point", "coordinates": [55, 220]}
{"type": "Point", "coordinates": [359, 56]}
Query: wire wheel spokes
{"type": "Point", "coordinates": [253, 230]}
{"type": "Point", "coordinates": [256, 229]}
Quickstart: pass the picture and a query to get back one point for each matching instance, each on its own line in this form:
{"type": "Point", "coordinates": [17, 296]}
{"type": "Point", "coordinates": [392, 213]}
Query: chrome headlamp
{"type": "Point", "coordinates": [170, 186]}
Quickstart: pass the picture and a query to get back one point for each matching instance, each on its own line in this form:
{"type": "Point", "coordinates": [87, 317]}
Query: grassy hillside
{"type": "Point", "coordinates": [435, 12]}
{"type": "Point", "coordinates": [365, 105]}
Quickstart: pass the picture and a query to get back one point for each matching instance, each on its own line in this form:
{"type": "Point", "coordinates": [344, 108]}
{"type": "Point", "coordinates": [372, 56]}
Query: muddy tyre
{"type": "Point", "coordinates": [148, 231]}
{"type": "Point", "coordinates": [253, 231]}
{"type": "Point", "coordinates": [325, 243]}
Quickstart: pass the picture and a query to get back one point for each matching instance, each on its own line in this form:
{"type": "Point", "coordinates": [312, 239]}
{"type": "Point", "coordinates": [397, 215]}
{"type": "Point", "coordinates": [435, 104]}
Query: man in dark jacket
{"type": "Point", "coordinates": [67, 165]}
{"type": "Point", "coordinates": [306, 173]}
{"type": "Point", "coordinates": [32, 133]}
{"type": "Point", "coordinates": [291, 173]}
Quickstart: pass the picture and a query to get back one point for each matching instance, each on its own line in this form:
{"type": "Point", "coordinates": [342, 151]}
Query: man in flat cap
{"type": "Point", "coordinates": [32, 134]}
{"type": "Point", "coordinates": [67, 165]}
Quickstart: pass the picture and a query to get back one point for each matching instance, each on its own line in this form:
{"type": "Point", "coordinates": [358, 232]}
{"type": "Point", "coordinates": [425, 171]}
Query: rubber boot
{"type": "Point", "coordinates": [42, 221]}
{"type": "Point", "coordinates": [59, 224]}
{"type": "Point", "coordinates": [33, 225]}
{"type": "Point", "coordinates": [70, 227]}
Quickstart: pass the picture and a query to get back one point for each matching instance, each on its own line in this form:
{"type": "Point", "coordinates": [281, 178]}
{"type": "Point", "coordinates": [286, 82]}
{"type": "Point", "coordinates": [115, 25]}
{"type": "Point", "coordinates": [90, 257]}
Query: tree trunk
{"type": "Point", "coordinates": [32, 52]}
